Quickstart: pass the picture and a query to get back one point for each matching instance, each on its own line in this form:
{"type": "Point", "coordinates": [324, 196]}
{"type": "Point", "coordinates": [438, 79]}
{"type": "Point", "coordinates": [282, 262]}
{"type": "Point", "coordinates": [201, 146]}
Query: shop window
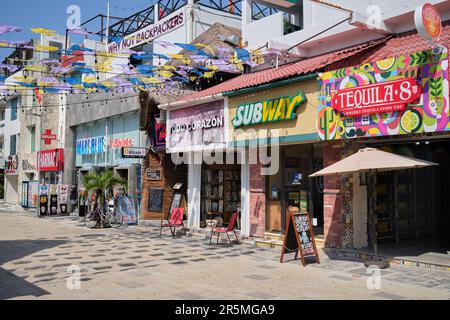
{"type": "Point", "coordinates": [221, 194]}
{"type": "Point", "coordinates": [32, 139]}
{"type": "Point", "coordinates": [56, 55]}
{"type": "Point", "coordinates": [13, 145]}
{"type": "Point", "coordinates": [14, 103]}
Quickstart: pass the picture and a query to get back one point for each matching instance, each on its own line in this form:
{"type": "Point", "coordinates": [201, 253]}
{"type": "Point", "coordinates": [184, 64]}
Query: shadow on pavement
{"type": "Point", "coordinates": [12, 286]}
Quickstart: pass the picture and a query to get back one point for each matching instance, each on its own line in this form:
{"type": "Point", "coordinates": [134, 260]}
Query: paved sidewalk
{"type": "Point", "coordinates": [135, 263]}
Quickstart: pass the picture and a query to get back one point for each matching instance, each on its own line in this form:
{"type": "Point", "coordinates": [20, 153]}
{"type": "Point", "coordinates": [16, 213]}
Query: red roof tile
{"type": "Point", "coordinates": [370, 51]}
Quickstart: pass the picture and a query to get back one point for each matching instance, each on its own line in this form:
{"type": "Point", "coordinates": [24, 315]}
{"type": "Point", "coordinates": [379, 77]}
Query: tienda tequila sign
{"type": "Point", "coordinates": [383, 97]}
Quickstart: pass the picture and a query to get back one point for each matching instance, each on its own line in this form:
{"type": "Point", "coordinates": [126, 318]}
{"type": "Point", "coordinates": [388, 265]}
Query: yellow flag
{"type": "Point", "coordinates": [43, 31]}
{"type": "Point", "coordinates": [36, 68]}
{"type": "Point", "coordinates": [150, 80]}
{"type": "Point", "coordinates": [176, 56]}
{"type": "Point", "coordinates": [169, 67]}
{"type": "Point", "coordinates": [165, 74]}
{"type": "Point", "coordinates": [90, 79]}
{"type": "Point", "coordinates": [46, 48]}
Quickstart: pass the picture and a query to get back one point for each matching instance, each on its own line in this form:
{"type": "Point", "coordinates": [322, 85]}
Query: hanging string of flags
{"type": "Point", "coordinates": [85, 70]}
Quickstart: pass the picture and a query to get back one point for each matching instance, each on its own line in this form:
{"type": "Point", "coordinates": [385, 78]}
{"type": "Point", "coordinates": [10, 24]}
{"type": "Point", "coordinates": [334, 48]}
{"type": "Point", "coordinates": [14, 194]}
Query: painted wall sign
{"type": "Point", "coordinates": [27, 166]}
{"type": "Point", "coordinates": [121, 143]}
{"type": "Point", "coordinates": [134, 153]}
{"type": "Point", "coordinates": [148, 33]}
{"type": "Point", "coordinates": [279, 109]}
{"type": "Point", "coordinates": [196, 126]}
{"type": "Point", "coordinates": [428, 21]}
{"type": "Point", "coordinates": [91, 145]}
{"type": "Point", "coordinates": [12, 164]}
{"type": "Point", "coordinates": [430, 114]}
{"type": "Point", "coordinates": [382, 97]}
{"type": "Point", "coordinates": [51, 160]}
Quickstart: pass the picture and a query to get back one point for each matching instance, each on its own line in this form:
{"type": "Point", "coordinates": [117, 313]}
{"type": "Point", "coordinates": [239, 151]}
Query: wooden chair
{"type": "Point", "coordinates": [176, 220]}
{"type": "Point", "coordinates": [227, 230]}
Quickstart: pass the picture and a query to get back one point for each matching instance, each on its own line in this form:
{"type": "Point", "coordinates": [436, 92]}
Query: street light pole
{"type": "Point", "coordinates": [38, 209]}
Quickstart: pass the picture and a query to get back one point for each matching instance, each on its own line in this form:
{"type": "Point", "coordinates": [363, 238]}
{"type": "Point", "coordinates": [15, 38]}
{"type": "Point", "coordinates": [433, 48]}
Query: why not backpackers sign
{"type": "Point", "coordinates": [267, 111]}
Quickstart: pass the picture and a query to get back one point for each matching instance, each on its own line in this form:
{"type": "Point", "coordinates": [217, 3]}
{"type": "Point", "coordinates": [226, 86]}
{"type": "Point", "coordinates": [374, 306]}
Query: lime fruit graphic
{"type": "Point", "coordinates": [386, 64]}
{"type": "Point", "coordinates": [411, 121]}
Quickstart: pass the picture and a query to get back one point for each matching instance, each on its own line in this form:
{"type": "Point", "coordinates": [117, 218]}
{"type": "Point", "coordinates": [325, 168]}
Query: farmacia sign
{"type": "Point", "coordinates": [267, 111]}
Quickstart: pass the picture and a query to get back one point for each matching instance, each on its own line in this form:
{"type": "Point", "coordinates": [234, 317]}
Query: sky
{"type": "Point", "coordinates": [51, 14]}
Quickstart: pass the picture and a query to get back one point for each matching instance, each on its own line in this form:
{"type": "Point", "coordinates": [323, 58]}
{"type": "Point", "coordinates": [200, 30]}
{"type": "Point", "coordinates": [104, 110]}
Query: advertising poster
{"type": "Point", "coordinates": [126, 207]}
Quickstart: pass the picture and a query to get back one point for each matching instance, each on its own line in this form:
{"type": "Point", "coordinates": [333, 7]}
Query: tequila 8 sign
{"type": "Point", "coordinates": [383, 97]}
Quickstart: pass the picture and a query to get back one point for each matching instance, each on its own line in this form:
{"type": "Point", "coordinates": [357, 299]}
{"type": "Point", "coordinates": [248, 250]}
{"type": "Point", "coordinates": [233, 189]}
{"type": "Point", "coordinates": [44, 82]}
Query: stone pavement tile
{"type": "Point", "coordinates": [48, 274]}
{"type": "Point", "coordinates": [389, 296]}
{"type": "Point", "coordinates": [197, 260]}
{"type": "Point", "coordinates": [90, 262]}
{"type": "Point", "coordinates": [157, 254]}
{"type": "Point", "coordinates": [257, 277]}
{"type": "Point", "coordinates": [99, 268]}
{"type": "Point", "coordinates": [260, 295]}
{"type": "Point", "coordinates": [188, 296]}
{"type": "Point", "coordinates": [339, 277]}
{"type": "Point", "coordinates": [31, 268]}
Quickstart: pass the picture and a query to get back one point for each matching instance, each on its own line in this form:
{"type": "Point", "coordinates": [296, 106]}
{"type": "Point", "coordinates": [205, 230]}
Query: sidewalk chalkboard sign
{"type": "Point", "coordinates": [155, 200]}
{"type": "Point", "coordinates": [299, 236]}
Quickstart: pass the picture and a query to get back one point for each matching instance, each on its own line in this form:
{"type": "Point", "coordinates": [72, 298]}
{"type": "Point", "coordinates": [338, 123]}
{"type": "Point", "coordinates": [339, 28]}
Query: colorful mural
{"type": "Point", "coordinates": [430, 113]}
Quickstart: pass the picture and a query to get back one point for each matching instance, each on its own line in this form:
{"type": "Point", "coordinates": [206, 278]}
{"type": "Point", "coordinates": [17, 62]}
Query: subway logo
{"type": "Point", "coordinates": [279, 109]}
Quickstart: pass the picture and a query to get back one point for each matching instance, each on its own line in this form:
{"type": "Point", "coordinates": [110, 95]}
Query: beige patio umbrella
{"type": "Point", "coordinates": [371, 160]}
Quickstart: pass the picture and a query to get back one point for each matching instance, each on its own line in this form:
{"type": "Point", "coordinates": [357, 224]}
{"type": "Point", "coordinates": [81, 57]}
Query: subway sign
{"type": "Point", "coordinates": [267, 111]}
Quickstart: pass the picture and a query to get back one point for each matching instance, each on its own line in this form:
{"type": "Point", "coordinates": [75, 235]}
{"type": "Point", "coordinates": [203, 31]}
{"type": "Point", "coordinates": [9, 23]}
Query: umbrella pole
{"type": "Point", "coordinates": [371, 189]}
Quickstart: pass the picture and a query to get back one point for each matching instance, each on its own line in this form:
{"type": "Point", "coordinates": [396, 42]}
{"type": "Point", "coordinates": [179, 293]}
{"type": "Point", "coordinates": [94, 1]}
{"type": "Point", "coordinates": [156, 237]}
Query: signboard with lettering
{"type": "Point", "coordinates": [197, 126]}
{"type": "Point", "coordinates": [154, 175]}
{"type": "Point", "coordinates": [428, 21]}
{"type": "Point", "coordinates": [121, 143]}
{"type": "Point", "coordinates": [399, 95]}
{"type": "Point", "coordinates": [273, 110]}
{"type": "Point", "coordinates": [382, 97]}
{"type": "Point", "coordinates": [48, 137]}
{"type": "Point", "coordinates": [51, 160]}
{"type": "Point", "coordinates": [148, 33]}
{"type": "Point", "coordinates": [134, 153]}
{"type": "Point", "coordinates": [91, 145]}
{"type": "Point", "coordinates": [299, 236]}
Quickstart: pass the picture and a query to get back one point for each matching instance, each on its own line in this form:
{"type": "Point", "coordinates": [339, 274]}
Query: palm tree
{"type": "Point", "coordinates": [104, 181]}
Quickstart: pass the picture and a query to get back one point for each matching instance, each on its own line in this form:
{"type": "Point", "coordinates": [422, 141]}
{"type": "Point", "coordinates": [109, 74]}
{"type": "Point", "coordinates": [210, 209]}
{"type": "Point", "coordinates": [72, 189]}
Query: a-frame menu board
{"type": "Point", "coordinates": [299, 236]}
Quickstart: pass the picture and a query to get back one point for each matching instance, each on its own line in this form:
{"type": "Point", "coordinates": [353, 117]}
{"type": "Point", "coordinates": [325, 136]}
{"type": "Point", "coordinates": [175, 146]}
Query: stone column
{"type": "Point", "coordinates": [332, 213]}
{"type": "Point", "coordinates": [257, 212]}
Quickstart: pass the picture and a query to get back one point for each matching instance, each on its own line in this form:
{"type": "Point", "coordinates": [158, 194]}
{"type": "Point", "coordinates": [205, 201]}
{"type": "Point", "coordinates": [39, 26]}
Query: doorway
{"type": "Point", "coordinates": [412, 204]}
{"type": "Point", "coordinates": [291, 186]}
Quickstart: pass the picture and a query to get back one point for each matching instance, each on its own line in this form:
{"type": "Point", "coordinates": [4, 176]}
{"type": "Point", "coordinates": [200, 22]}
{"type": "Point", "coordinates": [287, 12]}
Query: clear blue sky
{"type": "Point", "coordinates": [51, 14]}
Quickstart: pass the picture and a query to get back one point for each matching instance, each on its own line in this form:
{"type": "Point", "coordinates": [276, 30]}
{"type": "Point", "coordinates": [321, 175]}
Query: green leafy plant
{"type": "Point", "coordinates": [104, 181]}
